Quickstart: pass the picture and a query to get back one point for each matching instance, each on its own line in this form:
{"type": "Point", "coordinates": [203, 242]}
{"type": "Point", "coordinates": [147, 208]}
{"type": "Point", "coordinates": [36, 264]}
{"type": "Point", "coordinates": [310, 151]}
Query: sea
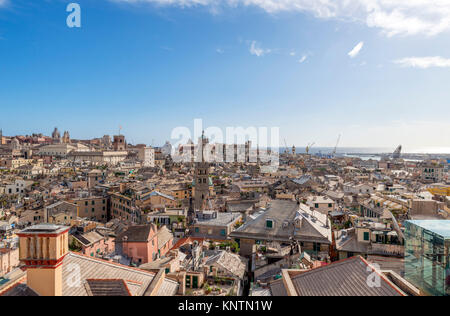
{"type": "Point", "coordinates": [376, 153]}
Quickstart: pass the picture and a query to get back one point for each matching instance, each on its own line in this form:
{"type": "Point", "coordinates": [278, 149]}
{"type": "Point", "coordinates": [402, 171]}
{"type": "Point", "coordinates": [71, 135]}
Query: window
{"type": "Point", "coordinates": [222, 232]}
{"type": "Point", "coordinates": [366, 235]}
{"type": "Point", "coordinates": [269, 223]}
{"type": "Point", "coordinates": [316, 246]}
{"type": "Point", "coordinates": [316, 205]}
{"type": "Point", "coordinates": [197, 229]}
{"type": "Point", "coordinates": [330, 205]}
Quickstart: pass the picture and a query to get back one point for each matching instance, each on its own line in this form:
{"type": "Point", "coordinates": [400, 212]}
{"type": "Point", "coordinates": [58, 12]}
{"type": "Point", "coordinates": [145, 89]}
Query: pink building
{"type": "Point", "coordinates": [165, 241]}
{"type": "Point", "coordinates": [9, 260]}
{"type": "Point", "coordinates": [92, 243]}
{"type": "Point", "coordinates": [144, 243]}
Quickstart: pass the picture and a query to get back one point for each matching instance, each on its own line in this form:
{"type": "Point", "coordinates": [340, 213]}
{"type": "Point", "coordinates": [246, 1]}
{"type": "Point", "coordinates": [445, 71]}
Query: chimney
{"type": "Point", "coordinates": [122, 188]}
{"type": "Point", "coordinates": [42, 249]}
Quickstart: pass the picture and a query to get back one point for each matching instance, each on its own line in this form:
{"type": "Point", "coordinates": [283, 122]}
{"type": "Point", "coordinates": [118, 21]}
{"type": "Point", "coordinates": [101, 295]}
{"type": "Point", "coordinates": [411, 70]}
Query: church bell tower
{"type": "Point", "coordinates": [201, 177]}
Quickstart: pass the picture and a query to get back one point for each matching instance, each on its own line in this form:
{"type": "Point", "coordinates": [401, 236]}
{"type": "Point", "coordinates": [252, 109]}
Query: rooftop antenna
{"type": "Point", "coordinates": [120, 128]}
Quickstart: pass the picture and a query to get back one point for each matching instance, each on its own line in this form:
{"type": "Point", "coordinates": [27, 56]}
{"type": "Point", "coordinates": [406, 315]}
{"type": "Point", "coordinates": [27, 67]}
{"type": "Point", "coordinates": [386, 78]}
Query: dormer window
{"type": "Point", "coordinates": [269, 223]}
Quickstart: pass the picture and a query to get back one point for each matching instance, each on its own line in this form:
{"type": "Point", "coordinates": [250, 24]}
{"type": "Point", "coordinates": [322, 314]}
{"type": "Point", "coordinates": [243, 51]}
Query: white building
{"type": "Point", "coordinates": [146, 155]}
{"type": "Point", "coordinates": [98, 157]}
{"type": "Point", "coordinates": [62, 150]}
{"type": "Point", "coordinates": [432, 173]}
{"type": "Point", "coordinates": [321, 204]}
{"type": "Point", "coordinates": [18, 187]}
{"type": "Point", "coordinates": [352, 188]}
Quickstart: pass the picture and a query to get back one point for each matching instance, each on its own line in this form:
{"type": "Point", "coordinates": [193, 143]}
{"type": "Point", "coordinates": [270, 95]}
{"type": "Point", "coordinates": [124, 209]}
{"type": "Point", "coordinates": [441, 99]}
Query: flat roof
{"type": "Point", "coordinates": [44, 228]}
{"type": "Point", "coordinates": [440, 227]}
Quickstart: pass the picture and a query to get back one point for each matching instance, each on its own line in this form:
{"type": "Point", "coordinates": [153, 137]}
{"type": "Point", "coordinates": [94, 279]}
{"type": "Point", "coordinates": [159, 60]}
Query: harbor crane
{"type": "Point", "coordinates": [308, 148]}
{"type": "Point", "coordinates": [397, 153]}
{"type": "Point", "coordinates": [287, 148]}
{"type": "Point", "coordinates": [335, 147]}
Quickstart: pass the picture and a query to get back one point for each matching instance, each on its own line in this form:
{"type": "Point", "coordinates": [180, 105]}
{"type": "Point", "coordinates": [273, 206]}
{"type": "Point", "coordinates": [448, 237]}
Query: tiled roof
{"type": "Point", "coordinates": [351, 244]}
{"type": "Point", "coordinates": [230, 262]}
{"type": "Point", "coordinates": [350, 277]}
{"type": "Point", "coordinates": [164, 235]}
{"type": "Point", "coordinates": [138, 233]}
{"type": "Point", "coordinates": [114, 287]}
{"type": "Point", "coordinates": [91, 268]}
{"type": "Point", "coordinates": [302, 180]}
{"type": "Point", "coordinates": [283, 214]}
{"type": "Point", "coordinates": [19, 289]}
{"type": "Point", "coordinates": [162, 194]}
{"type": "Point", "coordinates": [137, 281]}
{"type": "Point", "coordinates": [88, 238]}
{"type": "Point", "coordinates": [277, 288]}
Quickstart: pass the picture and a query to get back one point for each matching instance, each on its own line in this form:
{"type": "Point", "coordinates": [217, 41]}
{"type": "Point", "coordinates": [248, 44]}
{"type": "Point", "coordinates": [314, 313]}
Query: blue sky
{"type": "Point", "coordinates": [153, 65]}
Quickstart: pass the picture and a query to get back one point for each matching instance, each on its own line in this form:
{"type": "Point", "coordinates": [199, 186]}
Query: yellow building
{"type": "Point", "coordinates": [440, 190]}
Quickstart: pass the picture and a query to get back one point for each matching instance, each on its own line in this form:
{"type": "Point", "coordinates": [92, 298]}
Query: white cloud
{"type": "Point", "coordinates": [424, 62]}
{"type": "Point", "coordinates": [303, 59]}
{"type": "Point", "coordinates": [220, 51]}
{"type": "Point", "coordinates": [355, 51]}
{"type": "Point", "coordinates": [255, 49]}
{"type": "Point", "coordinates": [3, 3]}
{"type": "Point", "coordinates": [393, 17]}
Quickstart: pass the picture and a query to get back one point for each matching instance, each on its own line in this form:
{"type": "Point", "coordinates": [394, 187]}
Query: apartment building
{"type": "Point", "coordinates": [18, 187]}
{"type": "Point", "coordinates": [146, 155]}
{"type": "Point", "coordinates": [93, 208]}
{"type": "Point", "coordinates": [123, 207]}
{"type": "Point", "coordinates": [321, 204]}
{"type": "Point", "coordinates": [431, 173]}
